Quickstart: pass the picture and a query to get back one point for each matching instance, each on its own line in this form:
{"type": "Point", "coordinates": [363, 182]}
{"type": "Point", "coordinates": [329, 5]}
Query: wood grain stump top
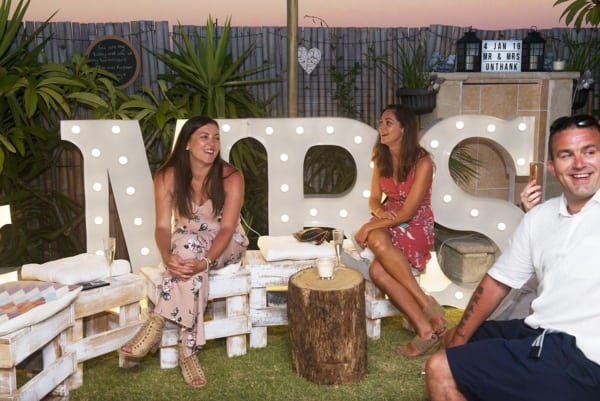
{"type": "Point", "coordinates": [326, 321]}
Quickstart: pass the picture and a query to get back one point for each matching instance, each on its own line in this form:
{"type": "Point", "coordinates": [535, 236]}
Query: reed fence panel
{"type": "Point", "coordinates": [360, 89]}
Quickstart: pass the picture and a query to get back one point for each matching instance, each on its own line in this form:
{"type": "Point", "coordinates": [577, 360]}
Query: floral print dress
{"type": "Point", "coordinates": [415, 237]}
{"type": "Point", "coordinates": [184, 301]}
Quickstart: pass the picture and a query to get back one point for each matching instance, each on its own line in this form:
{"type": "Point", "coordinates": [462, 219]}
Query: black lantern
{"type": "Point", "coordinates": [533, 52]}
{"type": "Point", "coordinates": [468, 49]}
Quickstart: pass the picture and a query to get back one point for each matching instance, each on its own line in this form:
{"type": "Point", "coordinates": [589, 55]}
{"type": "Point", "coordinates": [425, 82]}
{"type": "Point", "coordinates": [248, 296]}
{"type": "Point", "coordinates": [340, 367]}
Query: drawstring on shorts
{"type": "Point", "coordinates": [536, 346]}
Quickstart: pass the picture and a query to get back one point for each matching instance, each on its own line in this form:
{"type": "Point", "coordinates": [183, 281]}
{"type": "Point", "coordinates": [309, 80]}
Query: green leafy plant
{"type": "Point", "coordinates": [580, 12]}
{"type": "Point", "coordinates": [581, 55]}
{"type": "Point", "coordinates": [328, 169]}
{"type": "Point", "coordinates": [206, 79]}
{"type": "Point", "coordinates": [410, 68]}
{"type": "Point", "coordinates": [345, 83]}
{"type": "Point", "coordinates": [33, 99]}
{"type": "Point", "coordinates": [413, 65]}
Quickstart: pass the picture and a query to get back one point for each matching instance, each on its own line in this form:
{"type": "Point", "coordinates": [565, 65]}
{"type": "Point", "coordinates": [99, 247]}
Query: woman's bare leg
{"type": "Point", "coordinates": [401, 297]}
{"type": "Point", "coordinates": [395, 263]}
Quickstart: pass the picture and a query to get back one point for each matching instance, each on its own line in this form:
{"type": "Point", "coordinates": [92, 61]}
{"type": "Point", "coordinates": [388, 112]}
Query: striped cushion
{"type": "Point", "coordinates": [23, 303]}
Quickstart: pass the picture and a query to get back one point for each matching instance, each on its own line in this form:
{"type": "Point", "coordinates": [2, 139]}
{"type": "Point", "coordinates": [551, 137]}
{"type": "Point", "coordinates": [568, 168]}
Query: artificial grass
{"type": "Point", "coordinates": [263, 374]}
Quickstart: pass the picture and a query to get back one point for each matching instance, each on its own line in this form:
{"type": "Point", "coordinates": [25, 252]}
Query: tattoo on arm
{"type": "Point", "coordinates": [469, 311]}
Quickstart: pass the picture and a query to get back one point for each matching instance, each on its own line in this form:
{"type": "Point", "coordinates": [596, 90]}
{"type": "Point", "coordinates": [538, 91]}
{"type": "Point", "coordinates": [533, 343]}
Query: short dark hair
{"type": "Point", "coordinates": [566, 122]}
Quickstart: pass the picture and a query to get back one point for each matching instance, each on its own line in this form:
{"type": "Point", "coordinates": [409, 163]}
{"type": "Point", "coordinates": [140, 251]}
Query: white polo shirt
{"type": "Point", "coordinates": [563, 251]}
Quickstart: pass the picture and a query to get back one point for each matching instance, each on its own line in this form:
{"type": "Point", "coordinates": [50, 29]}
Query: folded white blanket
{"type": "Point", "coordinates": [284, 247]}
{"type": "Point", "coordinates": [75, 269]}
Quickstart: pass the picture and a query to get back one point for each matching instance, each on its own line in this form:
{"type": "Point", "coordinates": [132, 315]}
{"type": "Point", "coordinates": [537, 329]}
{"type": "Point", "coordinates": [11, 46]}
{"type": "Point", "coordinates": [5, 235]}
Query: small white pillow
{"type": "Point", "coordinates": [284, 247]}
{"type": "Point", "coordinates": [75, 269]}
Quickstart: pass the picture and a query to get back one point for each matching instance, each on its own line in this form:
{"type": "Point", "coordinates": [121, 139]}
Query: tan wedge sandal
{"type": "Point", "coordinates": [190, 369]}
{"type": "Point", "coordinates": [147, 338]}
{"type": "Point", "coordinates": [419, 347]}
{"type": "Point", "coordinates": [436, 315]}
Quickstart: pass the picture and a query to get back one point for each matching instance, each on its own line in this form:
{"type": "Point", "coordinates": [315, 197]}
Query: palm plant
{"type": "Point", "coordinates": [580, 12]}
{"type": "Point", "coordinates": [32, 101]}
{"type": "Point", "coordinates": [208, 81]}
{"type": "Point", "coordinates": [24, 89]}
{"type": "Point", "coordinates": [34, 97]}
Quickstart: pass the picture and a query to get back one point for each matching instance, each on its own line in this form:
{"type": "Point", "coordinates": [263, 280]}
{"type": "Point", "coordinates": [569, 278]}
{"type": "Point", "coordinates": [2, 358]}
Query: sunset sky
{"type": "Point", "coordinates": [480, 14]}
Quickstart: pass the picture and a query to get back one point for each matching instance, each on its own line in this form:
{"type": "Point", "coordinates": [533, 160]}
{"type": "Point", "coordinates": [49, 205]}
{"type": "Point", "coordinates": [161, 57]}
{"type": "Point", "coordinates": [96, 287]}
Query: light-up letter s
{"type": "Point", "coordinates": [459, 210]}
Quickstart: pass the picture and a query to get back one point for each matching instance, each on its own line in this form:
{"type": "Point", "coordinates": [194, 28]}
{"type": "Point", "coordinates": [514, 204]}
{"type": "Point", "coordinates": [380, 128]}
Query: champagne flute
{"type": "Point", "coordinates": [109, 249]}
{"type": "Point", "coordinates": [338, 243]}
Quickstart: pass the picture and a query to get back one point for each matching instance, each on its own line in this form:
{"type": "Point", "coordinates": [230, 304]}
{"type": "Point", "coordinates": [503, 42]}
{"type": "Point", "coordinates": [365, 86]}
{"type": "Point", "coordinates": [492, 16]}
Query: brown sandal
{"type": "Point", "coordinates": [147, 339]}
{"type": "Point", "coordinates": [190, 369]}
{"type": "Point", "coordinates": [420, 345]}
{"type": "Point", "coordinates": [436, 315]}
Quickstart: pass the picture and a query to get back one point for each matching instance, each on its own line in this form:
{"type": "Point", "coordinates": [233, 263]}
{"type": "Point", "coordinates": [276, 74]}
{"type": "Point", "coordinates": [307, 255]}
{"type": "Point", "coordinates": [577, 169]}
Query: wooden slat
{"type": "Point", "coordinates": [45, 381]}
{"type": "Point", "coordinates": [18, 345]}
{"type": "Point", "coordinates": [131, 289]}
{"type": "Point", "coordinates": [99, 344]}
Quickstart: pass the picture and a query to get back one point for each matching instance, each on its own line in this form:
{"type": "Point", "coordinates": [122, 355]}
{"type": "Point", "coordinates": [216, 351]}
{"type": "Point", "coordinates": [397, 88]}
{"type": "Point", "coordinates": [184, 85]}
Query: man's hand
{"type": "Point", "coordinates": [453, 338]}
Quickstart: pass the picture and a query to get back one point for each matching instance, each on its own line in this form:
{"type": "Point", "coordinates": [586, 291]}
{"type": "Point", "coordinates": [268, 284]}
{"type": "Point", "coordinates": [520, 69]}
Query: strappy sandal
{"type": "Point", "coordinates": [147, 339]}
{"type": "Point", "coordinates": [190, 369]}
{"type": "Point", "coordinates": [420, 345]}
{"type": "Point", "coordinates": [436, 315]}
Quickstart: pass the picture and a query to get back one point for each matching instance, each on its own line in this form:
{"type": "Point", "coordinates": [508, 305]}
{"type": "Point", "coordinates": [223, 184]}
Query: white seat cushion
{"type": "Point", "coordinates": [274, 248]}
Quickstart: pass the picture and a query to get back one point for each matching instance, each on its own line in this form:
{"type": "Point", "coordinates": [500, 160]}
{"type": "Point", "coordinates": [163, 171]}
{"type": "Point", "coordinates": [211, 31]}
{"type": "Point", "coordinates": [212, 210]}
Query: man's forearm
{"type": "Point", "coordinates": [486, 297]}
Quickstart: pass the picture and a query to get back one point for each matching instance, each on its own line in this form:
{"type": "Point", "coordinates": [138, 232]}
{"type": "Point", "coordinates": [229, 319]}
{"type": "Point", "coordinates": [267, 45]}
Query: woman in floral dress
{"type": "Point", "coordinates": [198, 200]}
{"type": "Point", "coordinates": [401, 231]}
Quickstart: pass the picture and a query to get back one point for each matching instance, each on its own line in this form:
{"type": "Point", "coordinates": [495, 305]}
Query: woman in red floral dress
{"type": "Point", "coordinates": [401, 231]}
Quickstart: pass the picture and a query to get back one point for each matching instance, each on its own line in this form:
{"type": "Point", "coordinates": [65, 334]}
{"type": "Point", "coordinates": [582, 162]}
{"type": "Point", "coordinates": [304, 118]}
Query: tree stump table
{"type": "Point", "coordinates": [326, 322]}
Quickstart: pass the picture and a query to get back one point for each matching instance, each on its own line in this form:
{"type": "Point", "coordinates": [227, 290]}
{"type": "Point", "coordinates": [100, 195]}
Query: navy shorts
{"type": "Point", "coordinates": [495, 365]}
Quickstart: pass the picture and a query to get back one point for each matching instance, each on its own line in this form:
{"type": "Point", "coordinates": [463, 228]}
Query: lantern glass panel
{"type": "Point", "coordinates": [533, 52]}
{"type": "Point", "coordinates": [468, 49]}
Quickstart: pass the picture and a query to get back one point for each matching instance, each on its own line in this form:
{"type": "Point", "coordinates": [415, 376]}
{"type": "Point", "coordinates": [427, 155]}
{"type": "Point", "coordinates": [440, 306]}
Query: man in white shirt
{"type": "Point", "coordinates": [554, 353]}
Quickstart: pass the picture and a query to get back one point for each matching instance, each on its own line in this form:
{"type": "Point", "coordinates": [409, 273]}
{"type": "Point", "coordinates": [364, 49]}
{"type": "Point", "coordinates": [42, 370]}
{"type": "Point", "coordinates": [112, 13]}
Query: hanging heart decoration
{"type": "Point", "coordinates": [308, 59]}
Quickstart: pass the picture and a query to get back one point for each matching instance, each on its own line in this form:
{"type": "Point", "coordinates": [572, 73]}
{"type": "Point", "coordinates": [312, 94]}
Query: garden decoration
{"type": "Point", "coordinates": [308, 58]}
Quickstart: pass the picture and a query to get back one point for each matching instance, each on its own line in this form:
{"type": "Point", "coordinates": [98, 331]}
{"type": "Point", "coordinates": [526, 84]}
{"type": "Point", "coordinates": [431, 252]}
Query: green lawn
{"type": "Point", "coordinates": [262, 374]}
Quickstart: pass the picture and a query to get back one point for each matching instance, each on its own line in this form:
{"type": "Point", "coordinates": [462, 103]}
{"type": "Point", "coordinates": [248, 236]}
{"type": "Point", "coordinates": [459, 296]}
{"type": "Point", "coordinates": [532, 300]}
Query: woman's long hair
{"type": "Point", "coordinates": [411, 150]}
{"type": "Point", "coordinates": [179, 160]}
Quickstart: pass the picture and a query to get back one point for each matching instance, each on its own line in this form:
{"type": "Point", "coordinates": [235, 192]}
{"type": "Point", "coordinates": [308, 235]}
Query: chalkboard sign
{"type": "Point", "coordinates": [116, 55]}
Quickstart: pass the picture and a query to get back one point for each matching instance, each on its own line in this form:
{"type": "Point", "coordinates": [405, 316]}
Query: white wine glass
{"type": "Point", "coordinates": [338, 243]}
{"type": "Point", "coordinates": [109, 249]}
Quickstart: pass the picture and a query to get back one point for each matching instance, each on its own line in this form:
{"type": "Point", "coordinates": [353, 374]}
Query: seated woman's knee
{"type": "Point", "coordinates": [376, 272]}
{"type": "Point", "coordinates": [378, 240]}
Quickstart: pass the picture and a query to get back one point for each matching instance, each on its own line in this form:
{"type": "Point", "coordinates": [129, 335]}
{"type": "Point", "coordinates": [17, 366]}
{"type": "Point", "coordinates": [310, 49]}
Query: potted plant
{"type": "Point", "coordinates": [418, 86]}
